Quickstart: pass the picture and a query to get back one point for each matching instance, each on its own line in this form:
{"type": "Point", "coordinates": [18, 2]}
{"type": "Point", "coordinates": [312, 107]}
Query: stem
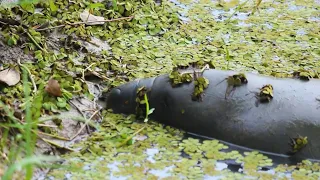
{"type": "Point", "coordinates": [84, 125]}
{"type": "Point", "coordinates": [55, 144]}
{"type": "Point", "coordinates": [83, 71]}
{"type": "Point", "coordinates": [30, 75]}
{"type": "Point", "coordinates": [35, 42]}
{"type": "Point", "coordinates": [28, 127]}
{"type": "Point", "coordinates": [227, 56]}
{"type": "Point", "coordinates": [147, 106]}
{"type": "Point", "coordinates": [237, 9]}
{"type": "Point", "coordinates": [51, 135]}
{"type": "Point", "coordinates": [130, 137]}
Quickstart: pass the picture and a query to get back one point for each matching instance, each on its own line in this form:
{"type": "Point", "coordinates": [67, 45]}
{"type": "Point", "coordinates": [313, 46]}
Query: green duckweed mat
{"type": "Point", "coordinates": [274, 38]}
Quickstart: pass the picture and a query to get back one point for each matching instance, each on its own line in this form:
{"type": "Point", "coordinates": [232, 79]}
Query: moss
{"type": "Point", "coordinates": [200, 84]}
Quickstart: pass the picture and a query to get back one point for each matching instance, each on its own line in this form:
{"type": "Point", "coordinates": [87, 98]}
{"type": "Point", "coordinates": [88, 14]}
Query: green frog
{"type": "Point", "coordinates": [233, 82]}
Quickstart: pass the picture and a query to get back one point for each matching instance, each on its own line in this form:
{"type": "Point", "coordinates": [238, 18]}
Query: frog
{"type": "Point", "coordinates": [304, 75]}
{"type": "Point", "coordinates": [266, 93]}
{"type": "Point", "coordinates": [234, 81]}
{"type": "Point", "coordinates": [297, 144]}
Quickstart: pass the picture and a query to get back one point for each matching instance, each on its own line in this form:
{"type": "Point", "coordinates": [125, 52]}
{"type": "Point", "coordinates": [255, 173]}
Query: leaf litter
{"type": "Point", "coordinates": [9, 76]}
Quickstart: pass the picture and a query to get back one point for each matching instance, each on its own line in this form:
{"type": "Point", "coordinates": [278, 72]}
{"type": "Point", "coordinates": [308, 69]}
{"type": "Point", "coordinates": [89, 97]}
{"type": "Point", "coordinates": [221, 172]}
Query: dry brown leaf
{"type": "Point", "coordinates": [53, 88]}
{"type": "Point", "coordinates": [90, 19]}
{"type": "Point", "coordinates": [9, 76]}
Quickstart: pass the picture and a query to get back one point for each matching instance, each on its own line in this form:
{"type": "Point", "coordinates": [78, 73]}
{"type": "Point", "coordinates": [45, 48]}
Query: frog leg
{"type": "Point", "coordinates": [229, 90]}
{"type": "Point", "coordinates": [233, 90]}
{"type": "Point", "coordinates": [221, 81]}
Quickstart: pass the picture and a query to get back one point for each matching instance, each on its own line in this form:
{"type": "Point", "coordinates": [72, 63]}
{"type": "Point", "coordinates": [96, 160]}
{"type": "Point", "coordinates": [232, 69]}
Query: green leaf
{"type": "Point", "coordinates": [154, 31]}
{"type": "Point", "coordinates": [12, 41]}
{"type": "Point", "coordinates": [53, 7]}
{"type": "Point", "coordinates": [54, 108]}
{"type": "Point", "coordinates": [66, 94]}
{"type": "Point", "coordinates": [96, 5]}
{"type": "Point", "coordinates": [115, 6]}
{"type": "Point", "coordinates": [47, 106]}
{"type": "Point", "coordinates": [61, 99]}
{"type": "Point", "coordinates": [128, 6]}
{"type": "Point", "coordinates": [151, 111]}
{"type": "Point", "coordinates": [61, 104]}
{"type": "Point", "coordinates": [27, 6]}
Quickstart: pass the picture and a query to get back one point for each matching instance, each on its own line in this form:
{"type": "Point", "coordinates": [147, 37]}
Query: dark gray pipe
{"type": "Point", "coordinates": [268, 127]}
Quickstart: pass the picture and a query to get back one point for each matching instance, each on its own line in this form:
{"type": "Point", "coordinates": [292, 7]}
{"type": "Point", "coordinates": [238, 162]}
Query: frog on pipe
{"type": "Point", "coordinates": [288, 123]}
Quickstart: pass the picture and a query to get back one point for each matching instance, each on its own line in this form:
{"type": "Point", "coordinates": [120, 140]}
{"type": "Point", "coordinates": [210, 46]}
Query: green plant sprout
{"type": "Point", "coordinates": [148, 112]}
{"type": "Point", "coordinates": [226, 50]}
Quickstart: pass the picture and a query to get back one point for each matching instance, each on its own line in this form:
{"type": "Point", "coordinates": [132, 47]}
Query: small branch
{"type": "Point", "coordinates": [49, 28]}
{"type": "Point", "coordinates": [107, 20]}
{"type": "Point", "coordinates": [30, 76]}
{"type": "Point", "coordinates": [83, 71]}
{"type": "Point", "coordinates": [76, 118]}
{"type": "Point", "coordinates": [3, 23]}
{"type": "Point", "coordinates": [130, 137]}
{"type": "Point", "coordinates": [78, 23]}
{"type": "Point", "coordinates": [84, 125]}
{"type": "Point", "coordinates": [236, 10]}
{"type": "Point", "coordinates": [35, 42]}
{"type": "Point", "coordinates": [55, 144]}
{"type": "Point", "coordinates": [206, 67]}
{"type": "Point", "coordinates": [53, 136]}
{"type": "Point", "coordinates": [47, 125]}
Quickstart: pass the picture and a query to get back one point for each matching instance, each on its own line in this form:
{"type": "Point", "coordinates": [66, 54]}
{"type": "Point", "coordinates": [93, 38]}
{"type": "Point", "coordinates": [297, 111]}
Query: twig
{"type": "Point", "coordinates": [206, 67]}
{"type": "Point", "coordinates": [107, 20]}
{"type": "Point", "coordinates": [55, 144]}
{"type": "Point", "coordinates": [84, 125]}
{"type": "Point", "coordinates": [3, 23]}
{"type": "Point", "coordinates": [76, 118]}
{"type": "Point", "coordinates": [83, 71]}
{"type": "Point", "coordinates": [47, 125]}
{"type": "Point", "coordinates": [256, 8]}
{"type": "Point", "coordinates": [48, 28]}
{"type": "Point", "coordinates": [30, 76]}
{"type": "Point", "coordinates": [78, 109]}
{"type": "Point", "coordinates": [51, 135]}
{"type": "Point", "coordinates": [236, 10]}
{"type": "Point", "coordinates": [130, 137]}
{"type": "Point", "coordinates": [100, 76]}
{"type": "Point", "coordinates": [35, 42]}
{"type": "Point", "coordinates": [78, 23]}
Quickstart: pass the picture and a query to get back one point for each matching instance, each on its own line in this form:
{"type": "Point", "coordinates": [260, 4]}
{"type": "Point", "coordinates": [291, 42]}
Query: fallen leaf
{"type": "Point", "coordinates": [90, 19]}
{"type": "Point", "coordinates": [9, 76]}
{"type": "Point", "coordinates": [53, 88]}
